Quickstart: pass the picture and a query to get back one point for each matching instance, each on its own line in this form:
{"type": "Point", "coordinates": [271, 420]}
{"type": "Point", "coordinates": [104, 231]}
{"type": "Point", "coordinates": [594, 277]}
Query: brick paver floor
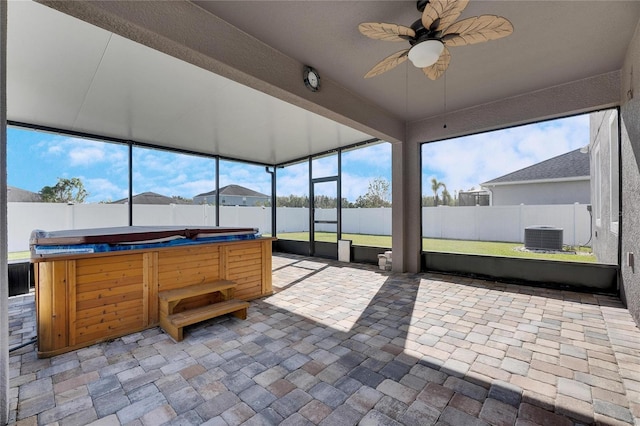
{"type": "Point", "coordinates": [346, 344]}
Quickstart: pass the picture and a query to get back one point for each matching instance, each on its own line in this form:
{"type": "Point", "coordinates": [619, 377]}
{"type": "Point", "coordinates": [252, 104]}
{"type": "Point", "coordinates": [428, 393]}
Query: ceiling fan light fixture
{"type": "Point", "coordinates": [426, 53]}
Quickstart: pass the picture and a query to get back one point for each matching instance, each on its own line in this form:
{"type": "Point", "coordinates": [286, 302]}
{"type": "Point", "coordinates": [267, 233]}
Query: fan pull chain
{"type": "Point", "coordinates": [445, 101]}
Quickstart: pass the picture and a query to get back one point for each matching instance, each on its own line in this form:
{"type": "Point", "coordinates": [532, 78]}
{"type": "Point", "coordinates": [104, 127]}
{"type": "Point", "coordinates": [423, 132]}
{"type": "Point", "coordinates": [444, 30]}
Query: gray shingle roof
{"type": "Point", "coordinates": [151, 198]}
{"type": "Point", "coordinates": [17, 195]}
{"type": "Point", "coordinates": [571, 164]}
{"type": "Point", "coordinates": [234, 190]}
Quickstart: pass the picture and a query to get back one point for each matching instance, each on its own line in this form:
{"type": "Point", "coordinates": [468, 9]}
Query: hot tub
{"type": "Point", "coordinates": [94, 285]}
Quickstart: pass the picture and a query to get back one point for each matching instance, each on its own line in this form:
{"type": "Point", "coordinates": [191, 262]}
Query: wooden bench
{"type": "Point", "coordinates": [173, 323]}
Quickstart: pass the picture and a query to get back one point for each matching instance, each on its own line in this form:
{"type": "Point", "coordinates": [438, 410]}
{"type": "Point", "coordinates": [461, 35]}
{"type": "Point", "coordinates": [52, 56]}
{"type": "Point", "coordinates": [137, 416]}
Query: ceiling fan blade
{"type": "Point", "coordinates": [387, 32]}
{"type": "Point", "coordinates": [388, 63]}
{"type": "Point", "coordinates": [477, 29]}
{"type": "Point", "coordinates": [436, 70]}
{"type": "Point", "coordinates": [442, 13]}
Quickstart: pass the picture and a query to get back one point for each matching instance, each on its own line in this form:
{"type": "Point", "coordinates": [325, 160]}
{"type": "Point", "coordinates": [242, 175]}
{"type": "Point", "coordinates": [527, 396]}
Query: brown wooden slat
{"type": "Point", "coordinates": [239, 273]}
{"type": "Point", "coordinates": [195, 290]}
{"type": "Point", "coordinates": [197, 302]}
{"type": "Point", "coordinates": [108, 292]}
{"type": "Point", "coordinates": [247, 279]}
{"type": "Point", "coordinates": [180, 280]}
{"type": "Point", "coordinates": [111, 300]}
{"type": "Point", "coordinates": [115, 274]}
{"type": "Point", "coordinates": [206, 312]}
{"type": "Point", "coordinates": [107, 284]}
{"type": "Point", "coordinates": [99, 311]}
{"type": "Point", "coordinates": [169, 261]}
{"type": "Point", "coordinates": [109, 316]}
{"type": "Point", "coordinates": [108, 264]}
{"type": "Point", "coordinates": [100, 335]}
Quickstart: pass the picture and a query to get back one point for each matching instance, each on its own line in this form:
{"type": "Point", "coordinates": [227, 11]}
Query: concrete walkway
{"type": "Point", "coordinates": [344, 344]}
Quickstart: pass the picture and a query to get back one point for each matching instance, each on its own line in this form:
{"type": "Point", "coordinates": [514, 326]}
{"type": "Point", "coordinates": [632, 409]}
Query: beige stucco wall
{"type": "Point", "coordinates": [630, 151]}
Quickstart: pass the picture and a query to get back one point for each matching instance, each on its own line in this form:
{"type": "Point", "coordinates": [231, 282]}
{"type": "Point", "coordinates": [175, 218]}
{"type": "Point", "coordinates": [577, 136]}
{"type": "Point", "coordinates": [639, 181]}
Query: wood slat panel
{"type": "Point", "coordinates": [173, 256]}
{"type": "Point", "coordinates": [248, 278]}
{"type": "Point", "coordinates": [110, 301]}
{"type": "Point", "coordinates": [100, 311]}
{"type": "Point", "coordinates": [108, 264]}
{"type": "Point", "coordinates": [108, 292]}
{"type": "Point", "coordinates": [247, 270]}
{"type": "Point", "coordinates": [107, 284]}
{"type": "Point", "coordinates": [106, 276]}
{"type": "Point", "coordinates": [249, 292]}
{"type": "Point", "coordinates": [177, 279]}
{"type": "Point", "coordinates": [177, 258]}
{"type": "Point", "coordinates": [109, 330]}
{"type": "Point", "coordinates": [110, 316]}
{"type": "Point", "coordinates": [242, 251]}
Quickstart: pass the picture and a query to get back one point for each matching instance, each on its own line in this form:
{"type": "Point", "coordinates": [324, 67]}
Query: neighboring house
{"type": "Point", "coordinates": [17, 195]}
{"type": "Point", "coordinates": [564, 179]}
{"type": "Point", "coordinates": [605, 184]}
{"type": "Point", "coordinates": [151, 198]}
{"type": "Point", "coordinates": [233, 195]}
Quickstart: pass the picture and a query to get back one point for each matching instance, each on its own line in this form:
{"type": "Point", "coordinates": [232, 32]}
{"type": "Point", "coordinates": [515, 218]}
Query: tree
{"type": "Point", "coordinates": [377, 195]}
{"type": "Point", "coordinates": [435, 187]}
{"type": "Point", "coordinates": [446, 197]}
{"type": "Point", "coordinates": [65, 191]}
{"type": "Point", "coordinates": [292, 201]}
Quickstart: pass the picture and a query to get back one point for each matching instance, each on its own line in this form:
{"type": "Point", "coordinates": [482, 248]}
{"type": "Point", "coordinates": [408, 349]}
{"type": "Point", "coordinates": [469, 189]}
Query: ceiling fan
{"type": "Point", "coordinates": [431, 35]}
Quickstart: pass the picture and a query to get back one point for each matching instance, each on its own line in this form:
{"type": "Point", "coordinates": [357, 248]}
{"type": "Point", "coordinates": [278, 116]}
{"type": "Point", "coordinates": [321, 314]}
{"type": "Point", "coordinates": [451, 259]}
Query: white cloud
{"type": "Point", "coordinates": [466, 162]}
{"type": "Point", "coordinates": [101, 189]}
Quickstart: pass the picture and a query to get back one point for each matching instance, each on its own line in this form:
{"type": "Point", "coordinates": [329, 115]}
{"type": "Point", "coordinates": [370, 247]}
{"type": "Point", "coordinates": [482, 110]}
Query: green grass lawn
{"type": "Point", "coordinates": [430, 244]}
{"type": "Point", "coordinates": [19, 255]}
{"type": "Point", "coordinates": [448, 246]}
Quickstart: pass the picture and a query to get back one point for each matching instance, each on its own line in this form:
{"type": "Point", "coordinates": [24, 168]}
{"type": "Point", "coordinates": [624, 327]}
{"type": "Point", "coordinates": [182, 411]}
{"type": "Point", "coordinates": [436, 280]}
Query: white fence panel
{"type": "Point", "coordinates": [479, 223]}
{"type": "Point", "coordinates": [505, 223]}
{"type": "Point", "coordinates": [376, 221]}
{"type": "Point", "coordinates": [22, 218]}
{"type": "Point", "coordinates": [500, 223]}
{"type": "Point", "coordinates": [250, 217]}
{"type": "Point", "coordinates": [95, 215]}
{"type": "Point", "coordinates": [292, 219]}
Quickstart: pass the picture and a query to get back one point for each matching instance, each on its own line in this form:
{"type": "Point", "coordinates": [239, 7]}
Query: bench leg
{"type": "Point", "coordinates": [173, 331]}
{"type": "Point", "coordinates": [241, 313]}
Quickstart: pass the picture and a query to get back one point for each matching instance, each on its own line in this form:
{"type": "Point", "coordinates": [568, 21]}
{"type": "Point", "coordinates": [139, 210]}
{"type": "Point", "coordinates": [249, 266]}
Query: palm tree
{"type": "Point", "coordinates": [435, 186]}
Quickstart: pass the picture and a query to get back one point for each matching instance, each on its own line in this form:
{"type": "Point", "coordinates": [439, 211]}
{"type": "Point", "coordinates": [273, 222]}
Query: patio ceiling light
{"type": "Point", "coordinates": [426, 53]}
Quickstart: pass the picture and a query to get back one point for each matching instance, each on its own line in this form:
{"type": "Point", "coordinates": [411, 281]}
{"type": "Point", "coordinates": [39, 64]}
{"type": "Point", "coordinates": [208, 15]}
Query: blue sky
{"type": "Point", "coordinates": [36, 159]}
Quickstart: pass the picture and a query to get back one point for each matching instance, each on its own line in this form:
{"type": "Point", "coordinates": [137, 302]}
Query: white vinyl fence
{"type": "Point", "coordinates": [486, 223]}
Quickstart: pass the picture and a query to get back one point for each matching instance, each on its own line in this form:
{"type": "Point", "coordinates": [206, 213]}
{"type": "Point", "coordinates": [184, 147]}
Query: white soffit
{"type": "Point", "coordinates": [67, 74]}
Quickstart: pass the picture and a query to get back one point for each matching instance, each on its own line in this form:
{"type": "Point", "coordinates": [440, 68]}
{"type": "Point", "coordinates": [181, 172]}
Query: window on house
{"type": "Point", "coordinates": [614, 171]}
{"type": "Point", "coordinates": [495, 193]}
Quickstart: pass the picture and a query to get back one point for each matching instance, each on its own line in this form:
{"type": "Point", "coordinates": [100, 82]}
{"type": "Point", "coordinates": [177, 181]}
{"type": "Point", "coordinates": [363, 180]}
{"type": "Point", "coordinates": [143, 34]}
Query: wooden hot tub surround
{"type": "Point", "coordinates": [84, 299]}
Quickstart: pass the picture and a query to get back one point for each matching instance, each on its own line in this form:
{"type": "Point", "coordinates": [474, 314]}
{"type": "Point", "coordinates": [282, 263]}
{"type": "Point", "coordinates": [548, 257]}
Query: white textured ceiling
{"type": "Point", "coordinates": [554, 42]}
{"type": "Point", "coordinates": [68, 74]}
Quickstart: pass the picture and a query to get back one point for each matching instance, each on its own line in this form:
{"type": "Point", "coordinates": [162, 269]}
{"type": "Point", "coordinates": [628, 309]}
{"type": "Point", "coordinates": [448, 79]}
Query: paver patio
{"type": "Point", "coordinates": [342, 344]}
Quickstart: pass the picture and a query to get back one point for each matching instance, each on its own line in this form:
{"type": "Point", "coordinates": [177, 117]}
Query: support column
{"type": "Point", "coordinates": [4, 280]}
{"type": "Point", "coordinates": [406, 226]}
